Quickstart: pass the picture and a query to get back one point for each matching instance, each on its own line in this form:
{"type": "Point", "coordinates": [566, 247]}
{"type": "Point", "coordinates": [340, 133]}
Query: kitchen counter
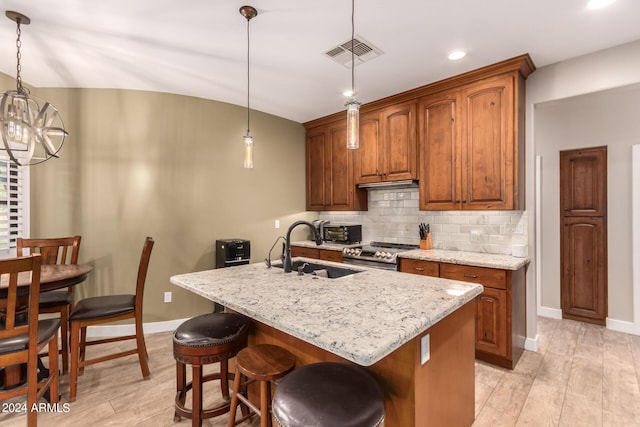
{"type": "Point", "coordinates": [477, 259]}
{"type": "Point", "coordinates": [414, 334]}
{"type": "Point", "coordinates": [362, 317]}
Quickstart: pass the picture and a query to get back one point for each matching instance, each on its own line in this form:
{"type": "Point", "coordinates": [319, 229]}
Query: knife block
{"type": "Point", "coordinates": [426, 243]}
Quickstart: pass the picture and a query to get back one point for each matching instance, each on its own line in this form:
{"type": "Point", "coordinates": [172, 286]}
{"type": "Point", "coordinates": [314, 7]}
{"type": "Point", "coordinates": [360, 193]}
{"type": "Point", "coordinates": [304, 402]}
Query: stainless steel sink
{"type": "Point", "coordinates": [319, 270]}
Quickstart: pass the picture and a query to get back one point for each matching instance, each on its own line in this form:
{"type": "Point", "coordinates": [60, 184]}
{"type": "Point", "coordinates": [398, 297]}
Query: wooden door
{"type": "Point", "coordinates": [439, 169]}
{"type": "Point", "coordinates": [491, 321]}
{"type": "Point", "coordinates": [399, 147]}
{"type": "Point", "coordinates": [339, 179]}
{"type": "Point", "coordinates": [367, 162]}
{"type": "Point", "coordinates": [487, 144]}
{"type": "Point", "coordinates": [316, 161]}
{"type": "Point", "coordinates": [583, 243]}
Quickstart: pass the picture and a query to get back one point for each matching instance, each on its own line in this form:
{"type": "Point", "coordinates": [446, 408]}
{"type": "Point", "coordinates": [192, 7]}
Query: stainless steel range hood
{"type": "Point", "coordinates": [390, 184]}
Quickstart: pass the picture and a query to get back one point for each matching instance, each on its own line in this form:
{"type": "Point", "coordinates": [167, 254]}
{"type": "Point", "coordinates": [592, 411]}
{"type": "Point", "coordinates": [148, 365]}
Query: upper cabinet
{"type": "Point", "coordinates": [471, 143]}
{"type": "Point", "coordinates": [388, 149]}
{"type": "Point", "coordinates": [330, 183]}
{"type": "Point", "coordinates": [462, 138]}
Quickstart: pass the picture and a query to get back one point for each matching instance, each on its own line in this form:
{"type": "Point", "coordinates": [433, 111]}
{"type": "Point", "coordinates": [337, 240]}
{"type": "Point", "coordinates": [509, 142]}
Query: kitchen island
{"type": "Point", "coordinates": [385, 321]}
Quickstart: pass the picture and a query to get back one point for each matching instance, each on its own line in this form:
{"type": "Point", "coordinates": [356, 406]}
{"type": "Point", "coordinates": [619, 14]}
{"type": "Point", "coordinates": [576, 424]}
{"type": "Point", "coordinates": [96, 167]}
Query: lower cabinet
{"type": "Point", "coordinates": [316, 253]}
{"type": "Point", "coordinates": [500, 309]}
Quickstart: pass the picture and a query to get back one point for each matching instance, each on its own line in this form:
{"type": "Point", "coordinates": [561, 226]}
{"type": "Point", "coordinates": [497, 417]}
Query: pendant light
{"type": "Point", "coordinates": [353, 106]}
{"type": "Point", "coordinates": [30, 134]}
{"type": "Point", "coordinates": [248, 12]}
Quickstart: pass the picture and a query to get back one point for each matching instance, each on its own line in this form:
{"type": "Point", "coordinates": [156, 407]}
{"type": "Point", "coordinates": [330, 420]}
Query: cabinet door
{"type": "Point", "coordinates": [439, 152]}
{"type": "Point", "coordinates": [330, 184]}
{"type": "Point", "coordinates": [339, 180]}
{"type": "Point", "coordinates": [304, 251]}
{"type": "Point", "coordinates": [491, 321]}
{"type": "Point", "coordinates": [488, 144]}
{"type": "Point", "coordinates": [367, 161]}
{"type": "Point", "coordinates": [330, 255]}
{"type": "Point", "coordinates": [584, 270]}
{"type": "Point", "coordinates": [316, 161]}
{"type": "Point", "coordinates": [387, 145]}
{"type": "Point", "coordinates": [584, 181]}
{"type": "Point", "coordinates": [418, 266]}
{"type": "Point", "coordinates": [399, 156]}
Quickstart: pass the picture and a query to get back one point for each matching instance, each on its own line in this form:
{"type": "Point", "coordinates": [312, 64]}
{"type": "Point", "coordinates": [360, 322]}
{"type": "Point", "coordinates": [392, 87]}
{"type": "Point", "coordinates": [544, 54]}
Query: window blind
{"type": "Point", "coordinates": [12, 205]}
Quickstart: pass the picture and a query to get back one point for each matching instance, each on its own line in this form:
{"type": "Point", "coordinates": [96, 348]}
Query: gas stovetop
{"type": "Point", "coordinates": [378, 251]}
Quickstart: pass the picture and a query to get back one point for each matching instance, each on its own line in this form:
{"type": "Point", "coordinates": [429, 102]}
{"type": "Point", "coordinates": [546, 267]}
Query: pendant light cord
{"type": "Point", "coordinates": [353, 64]}
{"type": "Point", "coordinates": [248, 109]}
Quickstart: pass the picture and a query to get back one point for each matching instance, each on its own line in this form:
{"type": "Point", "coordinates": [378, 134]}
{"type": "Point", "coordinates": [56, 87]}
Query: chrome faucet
{"type": "Point", "coordinates": [287, 249]}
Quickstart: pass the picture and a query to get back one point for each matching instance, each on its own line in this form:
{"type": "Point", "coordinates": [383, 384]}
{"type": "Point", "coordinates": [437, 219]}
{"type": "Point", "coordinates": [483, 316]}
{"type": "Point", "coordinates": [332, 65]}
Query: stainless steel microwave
{"type": "Point", "coordinates": [342, 233]}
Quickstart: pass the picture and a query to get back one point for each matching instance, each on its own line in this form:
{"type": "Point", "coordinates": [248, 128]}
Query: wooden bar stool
{"type": "Point", "coordinates": [205, 339]}
{"type": "Point", "coordinates": [263, 363]}
{"type": "Point", "coordinates": [329, 394]}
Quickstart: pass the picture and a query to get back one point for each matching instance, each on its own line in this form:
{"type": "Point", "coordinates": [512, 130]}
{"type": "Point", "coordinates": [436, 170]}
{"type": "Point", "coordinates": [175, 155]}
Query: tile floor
{"type": "Point", "coordinates": [583, 375]}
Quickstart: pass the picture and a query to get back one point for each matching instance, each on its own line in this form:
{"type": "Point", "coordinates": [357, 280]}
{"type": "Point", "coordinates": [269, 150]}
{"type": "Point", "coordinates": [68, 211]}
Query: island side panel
{"type": "Point", "coordinates": [445, 385]}
{"type": "Point", "coordinates": [440, 392]}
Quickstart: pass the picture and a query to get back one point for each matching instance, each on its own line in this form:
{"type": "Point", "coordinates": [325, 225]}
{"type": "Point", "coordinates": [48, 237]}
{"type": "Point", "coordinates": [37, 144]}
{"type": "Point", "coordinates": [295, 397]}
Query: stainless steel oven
{"type": "Point", "coordinates": [380, 255]}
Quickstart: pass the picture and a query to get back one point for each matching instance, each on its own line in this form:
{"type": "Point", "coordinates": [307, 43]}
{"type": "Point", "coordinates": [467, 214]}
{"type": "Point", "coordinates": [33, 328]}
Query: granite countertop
{"type": "Point", "coordinates": [362, 317]}
{"type": "Point", "coordinates": [478, 259]}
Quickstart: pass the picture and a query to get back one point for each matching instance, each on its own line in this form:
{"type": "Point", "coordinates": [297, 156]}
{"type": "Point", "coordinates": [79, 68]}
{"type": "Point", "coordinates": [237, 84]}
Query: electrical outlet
{"type": "Point", "coordinates": [167, 297]}
{"type": "Point", "coordinates": [277, 223]}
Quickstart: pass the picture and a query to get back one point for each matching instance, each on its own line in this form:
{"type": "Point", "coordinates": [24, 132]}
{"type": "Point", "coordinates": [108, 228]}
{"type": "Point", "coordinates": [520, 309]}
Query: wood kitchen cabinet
{"type": "Point", "coordinates": [388, 149]}
{"type": "Point", "coordinates": [471, 149]}
{"type": "Point", "coordinates": [461, 137]}
{"type": "Point", "coordinates": [500, 310]}
{"type": "Point", "coordinates": [329, 168]}
{"type": "Point", "coordinates": [316, 253]}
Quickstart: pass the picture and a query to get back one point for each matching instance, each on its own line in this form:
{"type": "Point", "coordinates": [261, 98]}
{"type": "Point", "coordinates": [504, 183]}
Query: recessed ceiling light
{"type": "Point", "coordinates": [457, 55]}
{"type": "Point", "coordinates": [598, 4]}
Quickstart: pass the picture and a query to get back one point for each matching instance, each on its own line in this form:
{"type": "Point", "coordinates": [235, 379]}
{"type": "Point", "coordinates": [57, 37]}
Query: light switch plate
{"type": "Point", "coordinates": [425, 350]}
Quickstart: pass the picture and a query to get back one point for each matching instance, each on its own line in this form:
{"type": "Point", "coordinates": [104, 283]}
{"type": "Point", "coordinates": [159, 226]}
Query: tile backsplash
{"type": "Point", "coordinates": [393, 216]}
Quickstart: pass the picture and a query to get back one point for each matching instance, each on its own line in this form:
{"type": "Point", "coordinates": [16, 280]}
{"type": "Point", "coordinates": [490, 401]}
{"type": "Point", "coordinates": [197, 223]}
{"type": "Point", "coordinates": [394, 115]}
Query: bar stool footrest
{"type": "Point", "coordinates": [181, 411]}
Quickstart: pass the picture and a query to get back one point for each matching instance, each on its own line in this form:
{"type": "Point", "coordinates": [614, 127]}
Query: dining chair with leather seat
{"type": "Point", "coordinates": [106, 309]}
{"type": "Point", "coordinates": [63, 250]}
{"type": "Point", "coordinates": [22, 339]}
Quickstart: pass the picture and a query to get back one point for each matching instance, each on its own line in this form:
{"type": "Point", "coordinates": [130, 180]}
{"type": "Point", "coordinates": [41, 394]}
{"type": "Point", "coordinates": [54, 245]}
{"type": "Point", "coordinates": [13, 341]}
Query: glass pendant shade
{"type": "Point", "coordinates": [353, 124]}
{"type": "Point", "coordinates": [248, 151]}
{"type": "Point", "coordinates": [32, 129]}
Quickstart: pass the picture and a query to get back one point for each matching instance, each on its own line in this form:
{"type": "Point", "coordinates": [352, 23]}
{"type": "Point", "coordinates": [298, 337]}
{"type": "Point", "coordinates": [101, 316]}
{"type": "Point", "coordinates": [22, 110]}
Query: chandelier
{"type": "Point", "coordinates": [32, 129]}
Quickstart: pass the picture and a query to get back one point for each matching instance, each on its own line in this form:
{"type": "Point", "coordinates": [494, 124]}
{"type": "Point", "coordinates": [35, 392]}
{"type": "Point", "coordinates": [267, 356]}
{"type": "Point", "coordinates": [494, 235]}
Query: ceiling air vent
{"type": "Point", "coordinates": [363, 51]}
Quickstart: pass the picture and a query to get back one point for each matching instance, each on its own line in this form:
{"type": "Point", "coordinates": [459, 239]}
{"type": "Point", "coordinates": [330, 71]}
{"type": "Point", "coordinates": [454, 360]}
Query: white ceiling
{"type": "Point", "coordinates": [198, 47]}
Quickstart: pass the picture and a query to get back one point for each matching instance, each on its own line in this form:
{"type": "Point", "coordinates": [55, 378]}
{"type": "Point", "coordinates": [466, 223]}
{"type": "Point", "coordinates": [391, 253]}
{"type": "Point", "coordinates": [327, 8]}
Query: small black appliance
{"type": "Point", "coordinates": [232, 252]}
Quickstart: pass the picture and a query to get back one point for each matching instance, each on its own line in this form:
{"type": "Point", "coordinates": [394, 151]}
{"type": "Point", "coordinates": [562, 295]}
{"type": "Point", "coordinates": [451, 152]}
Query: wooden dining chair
{"type": "Point", "coordinates": [64, 250]}
{"type": "Point", "coordinates": [106, 309]}
{"type": "Point", "coordinates": [21, 339]}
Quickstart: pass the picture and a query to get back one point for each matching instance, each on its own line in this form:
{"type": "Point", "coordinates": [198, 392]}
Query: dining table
{"type": "Point", "coordinates": [52, 277]}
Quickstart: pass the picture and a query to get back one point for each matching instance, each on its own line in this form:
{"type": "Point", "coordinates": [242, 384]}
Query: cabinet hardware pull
{"type": "Point", "coordinates": [419, 268]}
{"type": "Point", "coordinates": [472, 276]}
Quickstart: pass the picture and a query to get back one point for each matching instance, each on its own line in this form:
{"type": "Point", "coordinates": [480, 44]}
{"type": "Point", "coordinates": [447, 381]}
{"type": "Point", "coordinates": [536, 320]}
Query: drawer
{"type": "Point", "coordinates": [489, 277]}
{"type": "Point", "coordinates": [418, 266]}
{"type": "Point", "coordinates": [305, 252]}
{"type": "Point", "coordinates": [329, 255]}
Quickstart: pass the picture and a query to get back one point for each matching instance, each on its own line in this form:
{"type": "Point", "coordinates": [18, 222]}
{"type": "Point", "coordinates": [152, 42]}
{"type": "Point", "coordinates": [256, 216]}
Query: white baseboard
{"type": "Point", "coordinates": [531, 344]}
{"type": "Point", "coordinates": [122, 330]}
{"type": "Point", "coordinates": [622, 326]}
{"type": "Point", "coordinates": [553, 313]}
{"type": "Point", "coordinates": [612, 324]}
